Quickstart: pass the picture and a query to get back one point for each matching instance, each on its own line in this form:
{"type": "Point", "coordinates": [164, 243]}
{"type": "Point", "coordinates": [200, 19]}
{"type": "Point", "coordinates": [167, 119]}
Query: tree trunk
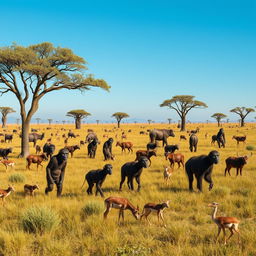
{"type": "Point", "coordinates": [218, 123]}
{"type": "Point", "coordinates": [78, 123]}
{"type": "Point", "coordinates": [118, 124]}
{"type": "Point", "coordinates": [4, 121]}
{"type": "Point", "coordinates": [242, 122]}
{"type": "Point", "coordinates": [183, 124]}
{"type": "Point", "coordinates": [24, 139]}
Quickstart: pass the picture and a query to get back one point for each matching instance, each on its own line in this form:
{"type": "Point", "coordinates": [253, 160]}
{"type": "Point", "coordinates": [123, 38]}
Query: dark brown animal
{"type": "Point", "coordinates": [8, 138]}
{"type": "Point", "coordinates": [239, 139]}
{"type": "Point", "coordinates": [175, 158]}
{"type": "Point", "coordinates": [145, 153]}
{"type": "Point", "coordinates": [183, 137]}
{"type": "Point", "coordinates": [125, 145]}
{"type": "Point", "coordinates": [38, 149]}
{"type": "Point", "coordinates": [235, 162]}
{"type": "Point", "coordinates": [71, 149]}
{"type": "Point", "coordinates": [35, 159]}
{"type": "Point", "coordinates": [29, 189]}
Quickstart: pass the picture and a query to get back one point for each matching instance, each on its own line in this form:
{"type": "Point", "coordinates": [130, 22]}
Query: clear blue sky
{"type": "Point", "coordinates": [148, 51]}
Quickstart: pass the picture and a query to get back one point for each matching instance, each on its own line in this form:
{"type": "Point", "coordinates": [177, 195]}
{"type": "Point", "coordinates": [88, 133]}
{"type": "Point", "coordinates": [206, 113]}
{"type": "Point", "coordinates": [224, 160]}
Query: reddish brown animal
{"type": "Point", "coordinates": [38, 149]}
{"type": "Point", "coordinates": [35, 159]}
{"type": "Point", "coordinates": [239, 139]}
{"type": "Point", "coordinates": [235, 162]}
{"type": "Point", "coordinates": [72, 149]}
{"type": "Point", "coordinates": [125, 145]}
{"type": "Point", "coordinates": [183, 137]}
{"type": "Point", "coordinates": [7, 163]}
{"type": "Point", "coordinates": [175, 158]}
{"type": "Point", "coordinates": [146, 153]}
{"type": "Point", "coordinates": [29, 189]}
{"type": "Point", "coordinates": [6, 192]}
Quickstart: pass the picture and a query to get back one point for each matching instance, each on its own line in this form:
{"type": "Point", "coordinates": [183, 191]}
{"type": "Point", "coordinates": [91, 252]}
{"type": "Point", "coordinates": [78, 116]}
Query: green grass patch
{"type": "Point", "coordinates": [16, 178]}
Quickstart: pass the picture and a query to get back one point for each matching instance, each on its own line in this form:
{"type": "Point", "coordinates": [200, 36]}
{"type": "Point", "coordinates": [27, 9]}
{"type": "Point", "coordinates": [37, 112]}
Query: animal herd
{"type": "Point", "coordinates": [197, 167]}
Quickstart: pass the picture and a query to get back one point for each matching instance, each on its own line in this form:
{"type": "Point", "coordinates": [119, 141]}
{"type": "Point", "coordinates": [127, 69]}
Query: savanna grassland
{"type": "Point", "coordinates": [189, 231]}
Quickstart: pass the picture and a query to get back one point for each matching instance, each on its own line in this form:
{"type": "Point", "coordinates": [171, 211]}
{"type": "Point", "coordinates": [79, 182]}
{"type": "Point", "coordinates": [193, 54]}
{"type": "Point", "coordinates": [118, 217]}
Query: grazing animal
{"type": "Point", "coordinates": [170, 149]}
{"type": "Point", "coordinates": [8, 138]}
{"type": "Point", "coordinates": [239, 139]}
{"type": "Point", "coordinates": [193, 140]}
{"type": "Point", "coordinates": [221, 140]}
{"type": "Point", "coordinates": [168, 171]}
{"type": "Point", "coordinates": [33, 137]}
{"type": "Point", "coordinates": [30, 189]}
{"type": "Point", "coordinates": [55, 171]}
{"type": "Point", "coordinates": [81, 143]}
{"type": "Point", "coordinates": [125, 145]}
{"type": "Point", "coordinates": [121, 204]}
{"type": "Point", "coordinates": [49, 149]}
{"type": "Point", "coordinates": [35, 159]}
{"type": "Point", "coordinates": [175, 158]}
{"type": "Point", "coordinates": [225, 222]}
{"type": "Point", "coordinates": [183, 137]}
{"type": "Point", "coordinates": [235, 162]}
{"type": "Point", "coordinates": [133, 170]}
{"type": "Point", "coordinates": [72, 149]}
{"type": "Point", "coordinates": [151, 146]}
{"type": "Point", "coordinates": [71, 135]}
{"type": "Point", "coordinates": [38, 149]}
{"type": "Point", "coordinates": [201, 167]}
{"type": "Point", "coordinates": [4, 152]}
{"type": "Point", "coordinates": [157, 208]}
{"type": "Point", "coordinates": [7, 163]}
{"type": "Point", "coordinates": [145, 153]}
{"type": "Point", "coordinates": [6, 192]}
{"type": "Point", "coordinates": [107, 149]}
{"type": "Point", "coordinates": [160, 134]}
{"type": "Point", "coordinates": [214, 138]}
{"type": "Point", "coordinates": [97, 177]}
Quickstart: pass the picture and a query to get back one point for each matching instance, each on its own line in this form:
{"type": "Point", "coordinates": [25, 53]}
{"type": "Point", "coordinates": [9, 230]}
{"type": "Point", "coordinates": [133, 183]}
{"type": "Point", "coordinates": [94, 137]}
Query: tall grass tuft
{"type": "Point", "coordinates": [92, 208]}
{"type": "Point", "coordinates": [16, 178]}
{"type": "Point", "coordinates": [39, 220]}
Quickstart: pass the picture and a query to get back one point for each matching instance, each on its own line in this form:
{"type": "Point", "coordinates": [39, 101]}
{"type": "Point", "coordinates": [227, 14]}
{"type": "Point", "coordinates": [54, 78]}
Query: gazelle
{"type": "Point", "coordinates": [7, 163]}
{"type": "Point", "coordinates": [157, 208]}
{"type": "Point", "coordinates": [6, 192]}
{"type": "Point", "coordinates": [225, 222]}
{"type": "Point", "coordinates": [30, 189]}
{"type": "Point", "coordinates": [168, 171]}
{"type": "Point", "coordinates": [121, 204]}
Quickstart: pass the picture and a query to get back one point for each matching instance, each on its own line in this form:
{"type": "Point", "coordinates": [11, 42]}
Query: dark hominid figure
{"type": "Point", "coordinates": [107, 149]}
{"type": "Point", "coordinates": [55, 171]}
{"type": "Point", "coordinates": [221, 138]}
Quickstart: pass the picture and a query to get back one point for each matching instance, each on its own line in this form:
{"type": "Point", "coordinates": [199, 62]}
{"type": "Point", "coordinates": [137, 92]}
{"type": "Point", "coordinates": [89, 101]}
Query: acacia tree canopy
{"type": "Point", "coordinates": [242, 112]}
{"type": "Point", "coordinates": [119, 116]}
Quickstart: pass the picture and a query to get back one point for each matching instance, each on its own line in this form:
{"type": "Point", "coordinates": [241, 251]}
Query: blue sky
{"type": "Point", "coordinates": [148, 51]}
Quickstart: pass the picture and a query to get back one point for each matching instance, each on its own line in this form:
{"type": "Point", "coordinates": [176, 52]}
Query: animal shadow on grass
{"type": "Point", "coordinates": [70, 195]}
{"type": "Point", "coordinates": [110, 189]}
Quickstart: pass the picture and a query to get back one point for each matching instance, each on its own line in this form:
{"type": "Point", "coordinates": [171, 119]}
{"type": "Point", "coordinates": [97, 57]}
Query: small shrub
{"type": "Point", "coordinates": [250, 147]}
{"type": "Point", "coordinates": [16, 178]}
{"type": "Point", "coordinates": [92, 207]}
{"type": "Point", "coordinates": [133, 250]}
{"type": "Point", "coordinates": [39, 220]}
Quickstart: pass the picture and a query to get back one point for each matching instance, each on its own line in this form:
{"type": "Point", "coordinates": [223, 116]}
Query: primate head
{"type": "Point", "coordinates": [108, 168]}
{"type": "Point", "coordinates": [110, 140]}
{"type": "Point", "coordinates": [63, 154]}
{"type": "Point", "coordinates": [214, 156]}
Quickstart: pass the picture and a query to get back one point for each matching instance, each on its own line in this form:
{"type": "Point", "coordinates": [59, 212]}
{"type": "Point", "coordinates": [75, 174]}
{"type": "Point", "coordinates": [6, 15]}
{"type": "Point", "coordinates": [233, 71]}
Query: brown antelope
{"type": "Point", "coordinates": [35, 159]}
{"type": "Point", "coordinates": [168, 171]}
{"type": "Point", "coordinates": [225, 222]}
{"type": "Point", "coordinates": [7, 163]}
{"type": "Point", "coordinates": [29, 189]}
{"type": "Point", "coordinates": [6, 192]}
{"type": "Point", "coordinates": [125, 145]}
{"type": "Point", "coordinates": [121, 204]}
{"type": "Point", "coordinates": [157, 208]}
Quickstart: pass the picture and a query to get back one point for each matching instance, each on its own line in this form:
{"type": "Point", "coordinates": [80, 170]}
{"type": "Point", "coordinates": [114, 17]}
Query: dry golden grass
{"type": "Point", "coordinates": [190, 230]}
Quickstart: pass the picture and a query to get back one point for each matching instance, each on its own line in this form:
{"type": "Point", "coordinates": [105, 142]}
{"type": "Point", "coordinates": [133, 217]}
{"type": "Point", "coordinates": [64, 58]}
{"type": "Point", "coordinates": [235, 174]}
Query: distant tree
{"type": "Point", "coordinates": [119, 116]}
{"type": "Point", "coordinates": [32, 72]}
{"type": "Point", "coordinates": [5, 111]}
{"type": "Point", "coordinates": [38, 120]}
{"type": "Point", "coordinates": [97, 121]}
{"type": "Point", "coordinates": [242, 112]}
{"type": "Point", "coordinates": [169, 120]}
{"type": "Point", "coordinates": [149, 121]}
{"type": "Point", "coordinates": [50, 121]}
{"type": "Point", "coordinates": [182, 104]}
{"type": "Point", "coordinates": [218, 117]}
{"type": "Point", "coordinates": [227, 120]}
{"type": "Point", "coordinates": [17, 121]}
{"type": "Point", "coordinates": [135, 122]}
{"type": "Point", "coordinates": [63, 121]}
{"type": "Point", "coordinates": [78, 115]}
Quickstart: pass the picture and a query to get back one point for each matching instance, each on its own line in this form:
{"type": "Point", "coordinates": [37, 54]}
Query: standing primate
{"type": "Point", "coordinates": [55, 171]}
{"type": "Point", "coordinates": [221, 138]}
{"type": "Point", "coordinates": [97, 177]}
{"type": "Point", "coordinates": [193, 140]}
{"type": "Point", "coordinates": [201, 167]}
{"type": "Point", "coordinates": [107, 149]}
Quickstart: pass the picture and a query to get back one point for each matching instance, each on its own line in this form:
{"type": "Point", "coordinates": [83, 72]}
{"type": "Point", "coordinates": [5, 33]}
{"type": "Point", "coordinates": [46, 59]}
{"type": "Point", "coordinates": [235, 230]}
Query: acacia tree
{"type": "Point", "coordinates": [32, 72]}
{"type": "Point", "coordinates": [119, 116]}
{"type": "Point", "coordinates": [97, 121]}
{"type": "Point", "coordinates": [78, 115]}
{"type": "Point", "coordinates": [50, 121]}
{"type": "Point", "coordinates": [242, 112]}
{"type": "Point", "coordinates": [218, 117]}
{"type": "Point", "coordinates": [182, 104]}
{"type": "Point", "coordinates": [169, 120]}
{"type": "Point", "coordinates": [38, 120]}
{"type": "Point", "coordinates": [149, 121]}
{"type": "Point", "coordinates": [5, 111]}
